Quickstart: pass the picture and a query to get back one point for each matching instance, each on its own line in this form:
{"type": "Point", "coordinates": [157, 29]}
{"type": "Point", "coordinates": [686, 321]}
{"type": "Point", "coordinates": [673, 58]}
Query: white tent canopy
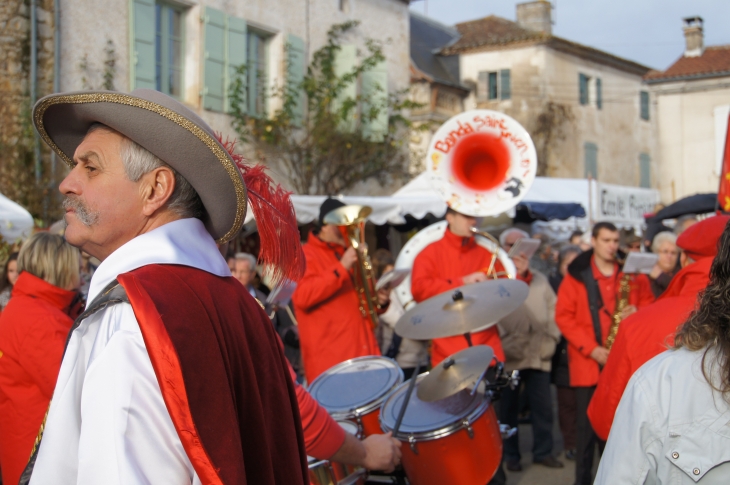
{"type": "Point", "coordinates": [624, 206]}
{"type": "Point", "coordinates": [15, 222]}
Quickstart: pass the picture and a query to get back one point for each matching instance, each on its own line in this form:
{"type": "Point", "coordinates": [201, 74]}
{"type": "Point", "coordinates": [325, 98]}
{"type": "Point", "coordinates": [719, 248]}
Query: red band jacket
{"type": "Point", "coordinates": [332, 329]}
{"type": "Point", "coordinates": [441, 267]}
{"type": "Point", "coordinates": [573, 315]}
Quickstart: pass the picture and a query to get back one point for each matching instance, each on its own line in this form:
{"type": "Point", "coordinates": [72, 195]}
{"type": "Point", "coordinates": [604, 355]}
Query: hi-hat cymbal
{"type": "Point", "coordinates": [455, 373]}
{"type": "Point", "coordinates": [459, 311]}
{"type": "Point", "coordinates": [347, 215]}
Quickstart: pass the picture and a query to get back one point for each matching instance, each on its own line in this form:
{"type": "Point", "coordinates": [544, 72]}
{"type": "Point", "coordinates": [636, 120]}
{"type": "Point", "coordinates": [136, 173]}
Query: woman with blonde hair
{"type": "Point", "coordinates": [33, 330]}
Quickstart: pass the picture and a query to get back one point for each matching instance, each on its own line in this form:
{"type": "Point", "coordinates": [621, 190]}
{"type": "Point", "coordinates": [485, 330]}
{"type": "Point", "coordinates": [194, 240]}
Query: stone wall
{"type": "Point", "coordinates": [17, 178]}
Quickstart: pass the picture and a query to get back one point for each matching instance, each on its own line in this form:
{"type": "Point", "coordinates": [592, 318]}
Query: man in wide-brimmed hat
{"type": "Point", "coordinates": [173, 374]}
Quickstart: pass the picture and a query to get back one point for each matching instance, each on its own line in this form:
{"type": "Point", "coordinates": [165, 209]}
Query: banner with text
{"type": "Point", "coordinates": [621, 204]}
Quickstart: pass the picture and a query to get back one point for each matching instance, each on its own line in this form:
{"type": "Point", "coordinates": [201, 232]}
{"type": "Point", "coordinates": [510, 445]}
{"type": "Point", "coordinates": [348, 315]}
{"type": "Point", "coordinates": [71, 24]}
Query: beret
{"type": "Point", "coordinates": [700, 240]}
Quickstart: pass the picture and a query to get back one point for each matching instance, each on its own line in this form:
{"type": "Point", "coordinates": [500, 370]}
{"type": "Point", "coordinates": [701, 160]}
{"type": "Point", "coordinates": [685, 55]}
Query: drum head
{"type": "Point", "coordinates": [357, 385]}
{"type": "Point", "coordinates": [349, 426]}
{"type": "Point", "coordinates": [433, 419]}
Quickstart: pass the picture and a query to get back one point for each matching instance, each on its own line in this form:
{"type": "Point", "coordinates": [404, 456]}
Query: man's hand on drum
{"type": "Point", "coordinates": [382, 452]}
{"type": "Point", "coordinates": [349, 258]}
{"type": "Point", "coordinates": [477, 277]}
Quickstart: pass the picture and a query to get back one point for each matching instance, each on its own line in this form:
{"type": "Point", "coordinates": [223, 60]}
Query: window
{"type": "Point", "coordinates": [157, 57]}
{"type": "Point", "coordinates": [599, 93]}
{"type": "Point", "coordinates": [494, 85]}
{"type": "Point", "coordinates": [590, 160]}
{"type": "Point", "coordinates": [644, 171]}
{"type": "Point", "coordinates": [644, 102]}
{"type": "Point", "coordinates": [256, 73]}
{"type": "Point", "coordinates": [583, 89]}
{"type": "Point", "coordinates": [168, 49]}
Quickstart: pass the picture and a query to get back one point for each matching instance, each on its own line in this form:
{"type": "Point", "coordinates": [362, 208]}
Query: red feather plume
{"type": "Point", "coordinates": [281, 249]}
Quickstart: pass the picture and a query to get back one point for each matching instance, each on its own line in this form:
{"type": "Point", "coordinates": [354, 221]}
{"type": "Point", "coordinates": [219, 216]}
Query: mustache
{"type": "Point", "coordinates": [83, 213]}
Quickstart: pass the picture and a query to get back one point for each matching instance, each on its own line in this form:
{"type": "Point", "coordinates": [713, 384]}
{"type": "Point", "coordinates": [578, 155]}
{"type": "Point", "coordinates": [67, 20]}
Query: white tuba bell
{"type": "Point", "coordinates": [482, 163]}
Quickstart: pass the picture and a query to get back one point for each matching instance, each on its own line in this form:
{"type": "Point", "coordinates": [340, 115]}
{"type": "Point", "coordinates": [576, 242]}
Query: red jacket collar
{"type": "Point", "coordinates": [315, 241]}
{"type": "Point", "coordinates": [458, 241]}
{"type": "Point", "coordinates": [34, 287]}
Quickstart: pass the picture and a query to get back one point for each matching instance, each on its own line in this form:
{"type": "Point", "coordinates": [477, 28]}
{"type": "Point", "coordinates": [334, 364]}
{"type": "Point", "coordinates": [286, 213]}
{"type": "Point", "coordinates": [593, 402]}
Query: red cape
{"type": "Point", "coordinates": [222, 374]}
{"type": "Point", "coordinates": [642, 336]}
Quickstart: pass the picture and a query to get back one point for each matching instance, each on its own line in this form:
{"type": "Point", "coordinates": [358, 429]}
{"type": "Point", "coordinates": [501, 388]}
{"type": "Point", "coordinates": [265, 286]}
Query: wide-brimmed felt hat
{"type": "Point", "coordinates": [161, 125]}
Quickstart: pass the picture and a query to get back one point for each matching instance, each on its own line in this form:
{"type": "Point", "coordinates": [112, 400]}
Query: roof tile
{"type": "Point", "coordinates": [715, 60]}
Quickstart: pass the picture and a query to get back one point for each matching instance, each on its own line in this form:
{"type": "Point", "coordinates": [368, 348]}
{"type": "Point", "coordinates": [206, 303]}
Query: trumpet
{"type": "Point", "coordinates": [350, 220]}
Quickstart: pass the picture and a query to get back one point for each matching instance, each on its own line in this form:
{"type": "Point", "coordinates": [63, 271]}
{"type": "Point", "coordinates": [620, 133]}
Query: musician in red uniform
{"type": "Point", "coordinates": [650, 331]}
{"type": "Point", "coordinates": [332, 329]}
{"type": "Point", "coordinates": [452, 261]}
{"type": "Point", "coordinates": [586, 302]}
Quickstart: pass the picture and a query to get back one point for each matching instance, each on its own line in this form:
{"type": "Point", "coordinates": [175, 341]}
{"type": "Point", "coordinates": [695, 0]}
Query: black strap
{"type": "Point", "coordinates": [112, 294]}
{"type": "Point", "coordinates": [595, 302]}
{"type": "Point", "coordinates": [394, 348]}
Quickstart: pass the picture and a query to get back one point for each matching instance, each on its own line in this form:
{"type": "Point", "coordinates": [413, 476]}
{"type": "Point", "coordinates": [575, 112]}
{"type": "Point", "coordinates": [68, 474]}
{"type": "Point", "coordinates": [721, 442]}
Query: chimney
{"type": "Point", "coordinates": [535, 16]}
{"type": "Point", "coordinates": [693, 37]}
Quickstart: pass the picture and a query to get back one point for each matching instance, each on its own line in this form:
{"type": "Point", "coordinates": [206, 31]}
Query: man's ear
{"type": "Point", "coordinates": [157, 188]}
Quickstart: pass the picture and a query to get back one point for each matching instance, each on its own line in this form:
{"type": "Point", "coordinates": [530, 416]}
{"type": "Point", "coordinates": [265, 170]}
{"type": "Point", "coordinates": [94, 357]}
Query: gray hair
{"type": "Point", "coordinates": [661, 238]}
{"type": "Point", "coordinates": [138, 161]}
{"type": "Point", "coordinates": [507, 232]}
{"type": "Point", "coordinates": [247, 257]}
{"type": "Point", "coordinates": [679, 226]}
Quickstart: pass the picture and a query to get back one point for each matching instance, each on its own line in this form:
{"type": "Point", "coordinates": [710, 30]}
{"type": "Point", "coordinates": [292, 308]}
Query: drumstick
{"type": "Point", "coordinates": [402, 412]}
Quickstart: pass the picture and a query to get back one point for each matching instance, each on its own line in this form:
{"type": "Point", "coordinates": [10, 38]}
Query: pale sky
{"type": "Point", "coordinates": [645, 31]}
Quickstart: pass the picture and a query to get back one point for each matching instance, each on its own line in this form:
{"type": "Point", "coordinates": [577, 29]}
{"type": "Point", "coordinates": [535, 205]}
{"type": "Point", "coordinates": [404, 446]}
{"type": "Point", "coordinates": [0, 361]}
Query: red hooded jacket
{"type": "Point", "coordinates": [331, 327]}
{"type": "Point", "coordinates": [642, 336]}
{"type": "Point", "coordinates": [33, 330]}
{"type": "Point", "coordinates": [440, 267]}
{"type": "Point", "coordinates": [573, 315]}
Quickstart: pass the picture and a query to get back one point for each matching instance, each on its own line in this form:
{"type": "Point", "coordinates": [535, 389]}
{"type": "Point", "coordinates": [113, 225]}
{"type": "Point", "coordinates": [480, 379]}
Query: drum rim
{"type": "Point", "coordinates": [439, 432]}
{"type": "Point", "coordinates": [365, 408]}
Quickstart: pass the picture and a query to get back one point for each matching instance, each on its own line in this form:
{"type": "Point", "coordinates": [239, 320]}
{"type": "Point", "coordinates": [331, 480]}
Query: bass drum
{"type": "Point", "coordinates": [429, 235]}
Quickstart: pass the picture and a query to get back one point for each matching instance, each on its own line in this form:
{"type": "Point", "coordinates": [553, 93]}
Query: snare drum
{"type": "Point", "coordinates": [355, 389]}
{"type": "Point", "coordinates": [454, 440]}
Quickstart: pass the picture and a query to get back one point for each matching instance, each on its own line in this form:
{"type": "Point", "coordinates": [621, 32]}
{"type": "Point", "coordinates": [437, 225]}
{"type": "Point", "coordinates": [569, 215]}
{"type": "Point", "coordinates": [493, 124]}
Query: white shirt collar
{"type": "Point", "coordinates": [185, 242]}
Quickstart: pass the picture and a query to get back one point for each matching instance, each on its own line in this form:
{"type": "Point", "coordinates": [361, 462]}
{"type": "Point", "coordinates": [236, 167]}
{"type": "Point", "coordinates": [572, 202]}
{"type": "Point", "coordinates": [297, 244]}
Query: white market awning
{"type": "Point", "coordinates": [16, 223]}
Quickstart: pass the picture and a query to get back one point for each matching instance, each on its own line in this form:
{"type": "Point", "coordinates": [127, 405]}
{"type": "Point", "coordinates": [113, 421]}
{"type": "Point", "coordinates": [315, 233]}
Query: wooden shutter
{"type": "Point", "coordinates": [214, 74]}
{"type": "Point", "coordinates": [583, 88]}
{"type": "Point", "coordinates": [644, 99]}
{"type": "Point", "coordinates": [344, 64]}
{"type": "Point", "coordinates": [143, 57]}
{"type": "Point", "coordinates": [505, 87]}
{"type": "Point", "coordinates": [483, 85]}
{"type": "Point", "coordinates": [599, 93]}
{"type": "Point", "coordinates": [235, 58]}
{"type": "Point", "coordinates": [375, 96]}
{"type": "Point", "coordinates": [591, 160]}
{"type": "Point", "coordinates": [644, 171]}
{"type": "Point", "coordinates": [295, 64]}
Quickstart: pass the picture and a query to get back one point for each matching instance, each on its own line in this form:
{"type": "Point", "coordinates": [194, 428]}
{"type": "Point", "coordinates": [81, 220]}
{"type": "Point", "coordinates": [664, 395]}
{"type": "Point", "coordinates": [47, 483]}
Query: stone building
{"type": "Point", "coordinates": [190, 48]}
{"type": "Point", "coordinates": [691, 102]}
{"type": "Point", "coordinates": [582, 106]}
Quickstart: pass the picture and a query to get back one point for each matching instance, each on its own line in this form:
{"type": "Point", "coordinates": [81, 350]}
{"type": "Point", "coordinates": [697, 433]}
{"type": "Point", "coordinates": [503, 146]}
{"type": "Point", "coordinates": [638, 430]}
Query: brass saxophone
{"type": "Point", "coordinates": [622, 301]}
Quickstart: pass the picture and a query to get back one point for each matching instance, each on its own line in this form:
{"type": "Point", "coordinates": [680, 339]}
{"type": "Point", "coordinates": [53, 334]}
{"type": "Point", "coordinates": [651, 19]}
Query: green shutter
{"type": "Point", "coordinates": [644, 171]}
{"type": "Point", "coordinates": [505, 84]}
{"type": "Point", "coordinates": [375, 97]}
{"type": "Point", "coordinates": [599, 93]}
{"type": "Point", "coordinates": [295, 64]}
{"type": "Point", "coordinates": [583, 88]}
{"type": "Point", "coordinates": [214, 59]}
{"type": "Point", "coordinates": [143, 60]}
{"type": "Point", "coordinates": [591, 160]}
{"type": "Point", "coordinates": [236, 57]}
{"type": "Point", "coordinates": [644, 101]}
{"type": "Point", "coordinates": [493, 85]}
{"type": "Point", "coordinates": [345, 64]}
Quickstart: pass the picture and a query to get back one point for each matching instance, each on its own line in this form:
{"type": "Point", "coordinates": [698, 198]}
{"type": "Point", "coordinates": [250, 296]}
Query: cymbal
{"type": "Point", "coordinates": [455, 373]}
{"type": "Point", "coordinates": [463, 310]}
{"type": "Point", "coordinates": [393, 278]}
{"type": "Point", "coordinates": [347, 215]}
